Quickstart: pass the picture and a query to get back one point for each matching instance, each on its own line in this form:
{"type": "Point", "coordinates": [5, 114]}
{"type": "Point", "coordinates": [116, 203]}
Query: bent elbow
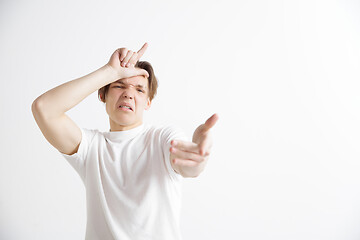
{"type": "Point", "coordinates": [36, 107]}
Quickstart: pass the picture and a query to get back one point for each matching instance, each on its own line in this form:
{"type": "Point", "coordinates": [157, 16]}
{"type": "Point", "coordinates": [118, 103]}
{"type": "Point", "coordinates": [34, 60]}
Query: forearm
{"type": "Point", "coordinates": [62, 98]}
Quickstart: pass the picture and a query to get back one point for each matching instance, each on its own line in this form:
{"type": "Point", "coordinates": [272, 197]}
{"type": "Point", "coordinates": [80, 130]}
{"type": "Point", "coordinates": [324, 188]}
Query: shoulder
{"type": "Point", "coordinates": [90, 134]}
{"type": "Point", "coordinates": [165, 132]}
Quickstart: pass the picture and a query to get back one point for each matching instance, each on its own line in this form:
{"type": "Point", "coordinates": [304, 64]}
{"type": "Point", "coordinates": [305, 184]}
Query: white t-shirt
{"type": "Point", "coordinates": [132, 192]}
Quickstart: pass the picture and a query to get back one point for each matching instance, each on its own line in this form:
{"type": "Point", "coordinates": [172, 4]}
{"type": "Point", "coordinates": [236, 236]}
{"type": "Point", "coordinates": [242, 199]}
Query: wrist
{"type": "Point", "coordinates": [111, 72]}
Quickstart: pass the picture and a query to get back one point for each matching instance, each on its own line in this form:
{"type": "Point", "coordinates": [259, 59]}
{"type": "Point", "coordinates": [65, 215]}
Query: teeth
{"type": "Point", "coordinates": [125, 107]}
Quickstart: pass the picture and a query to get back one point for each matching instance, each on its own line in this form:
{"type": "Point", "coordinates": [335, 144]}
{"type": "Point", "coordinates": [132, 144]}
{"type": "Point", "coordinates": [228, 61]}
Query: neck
{"type": "Point", "coordinates": [119, 127]}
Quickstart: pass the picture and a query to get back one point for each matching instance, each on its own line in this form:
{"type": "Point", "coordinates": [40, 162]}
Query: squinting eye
{"type": "Point", "coordinates": [140, 90]}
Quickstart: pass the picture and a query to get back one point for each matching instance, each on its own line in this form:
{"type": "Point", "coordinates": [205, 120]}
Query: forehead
{"type": "Point", "coordinates": [136, 81]}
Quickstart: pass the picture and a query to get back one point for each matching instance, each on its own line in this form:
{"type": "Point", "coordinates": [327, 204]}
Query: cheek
{"type": "Point", "coordinates": [111, 100]}
{"type": "Point", "coordinates": [112, 95]}
{"type": "Point", "coordinates": [141, 101]}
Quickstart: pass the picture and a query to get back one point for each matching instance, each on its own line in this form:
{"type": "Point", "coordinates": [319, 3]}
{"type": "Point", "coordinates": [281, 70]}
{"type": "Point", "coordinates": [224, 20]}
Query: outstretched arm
{"type": "Point", "coordinates": [189, 158]}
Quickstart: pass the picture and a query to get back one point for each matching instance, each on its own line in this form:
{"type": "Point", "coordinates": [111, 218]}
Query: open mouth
{"type": "Point", "coordinates": [125, 108]}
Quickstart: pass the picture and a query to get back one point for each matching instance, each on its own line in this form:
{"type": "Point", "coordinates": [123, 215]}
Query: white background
{"type": "Point", "coordinates": [282, 75]}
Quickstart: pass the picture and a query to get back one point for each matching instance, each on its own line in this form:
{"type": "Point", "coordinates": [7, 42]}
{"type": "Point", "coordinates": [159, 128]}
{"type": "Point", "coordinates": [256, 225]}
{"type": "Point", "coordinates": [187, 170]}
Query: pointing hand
{"type": "Point", "coordinates": [189, 158]}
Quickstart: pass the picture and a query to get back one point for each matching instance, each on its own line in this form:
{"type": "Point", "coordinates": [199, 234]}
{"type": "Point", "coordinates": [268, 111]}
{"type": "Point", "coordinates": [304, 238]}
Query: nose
{"type": "Point", "coordinates": [128, 94]}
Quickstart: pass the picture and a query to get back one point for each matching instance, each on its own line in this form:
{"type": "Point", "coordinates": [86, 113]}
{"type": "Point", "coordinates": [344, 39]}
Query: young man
{"type": "Point", "coordinates": [132, 174]}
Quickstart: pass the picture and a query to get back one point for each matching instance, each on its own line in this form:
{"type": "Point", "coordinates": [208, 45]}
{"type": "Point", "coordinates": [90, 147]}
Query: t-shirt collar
{"type": "Point", "coordinates": [117, 136]}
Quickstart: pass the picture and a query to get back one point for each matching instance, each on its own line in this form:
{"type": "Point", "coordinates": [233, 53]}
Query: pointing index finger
{"type": "Point", "coordinates": [142, 50]}
{"type": "Point", "coordinates": [211, 121]}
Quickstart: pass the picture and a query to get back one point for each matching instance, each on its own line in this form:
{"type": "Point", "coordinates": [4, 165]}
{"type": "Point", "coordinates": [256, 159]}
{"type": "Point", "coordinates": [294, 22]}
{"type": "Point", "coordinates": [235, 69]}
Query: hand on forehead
{"type": "Point", "coordinates": [137, 81]}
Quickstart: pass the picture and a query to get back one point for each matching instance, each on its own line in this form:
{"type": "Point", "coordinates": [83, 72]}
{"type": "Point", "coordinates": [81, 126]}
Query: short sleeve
{"type": "Point", "coordinates": [171, 133]}
{"type": "Point", "coordinates": [78, 159]}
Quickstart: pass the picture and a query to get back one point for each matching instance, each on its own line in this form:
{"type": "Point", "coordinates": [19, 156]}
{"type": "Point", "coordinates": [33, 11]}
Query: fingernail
{"type": "Point", "coordinates": [173, 143]}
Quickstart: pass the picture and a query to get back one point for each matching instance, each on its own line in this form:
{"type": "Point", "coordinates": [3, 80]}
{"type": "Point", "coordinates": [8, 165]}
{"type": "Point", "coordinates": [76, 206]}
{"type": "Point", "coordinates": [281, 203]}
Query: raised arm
{"type": "Point", "coordinates": [49, 109]}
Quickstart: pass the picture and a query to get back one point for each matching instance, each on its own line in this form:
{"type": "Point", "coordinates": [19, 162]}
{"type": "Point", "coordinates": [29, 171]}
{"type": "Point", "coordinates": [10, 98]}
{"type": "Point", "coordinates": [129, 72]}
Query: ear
{"type": "Point", "coordinates": [148, 104]}
{"type": "Point", "coordinates": [102, 98]}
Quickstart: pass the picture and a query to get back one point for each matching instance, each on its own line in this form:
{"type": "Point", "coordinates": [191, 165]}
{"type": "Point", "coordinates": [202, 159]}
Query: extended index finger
{"type": "Point", "coordinates": [142, 50]}
{"type": "Point", "coordinates": [211, 121]}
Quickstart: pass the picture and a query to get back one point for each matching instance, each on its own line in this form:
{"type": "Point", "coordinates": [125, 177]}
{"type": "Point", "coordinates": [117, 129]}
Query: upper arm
{"type": "Point", "coordinates": [61, 132]}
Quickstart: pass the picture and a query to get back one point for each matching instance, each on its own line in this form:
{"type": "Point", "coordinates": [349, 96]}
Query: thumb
{"type": "Point", "coordinates": [143, 72]}
{"type": "Point", "coordinates": [131, 72]}
{"type": "Point", "coordinates": [140, 72]}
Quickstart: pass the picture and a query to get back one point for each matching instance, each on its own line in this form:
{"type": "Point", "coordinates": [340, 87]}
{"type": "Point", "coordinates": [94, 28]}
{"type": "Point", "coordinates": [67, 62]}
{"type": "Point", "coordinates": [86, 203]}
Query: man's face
{"type": "Point", "coordinates": [126, 101]}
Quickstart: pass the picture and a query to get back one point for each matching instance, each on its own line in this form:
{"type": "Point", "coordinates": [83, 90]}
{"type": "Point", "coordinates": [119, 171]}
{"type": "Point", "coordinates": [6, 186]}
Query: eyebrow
{"type": "Point", "coordinates": [138, 85]}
